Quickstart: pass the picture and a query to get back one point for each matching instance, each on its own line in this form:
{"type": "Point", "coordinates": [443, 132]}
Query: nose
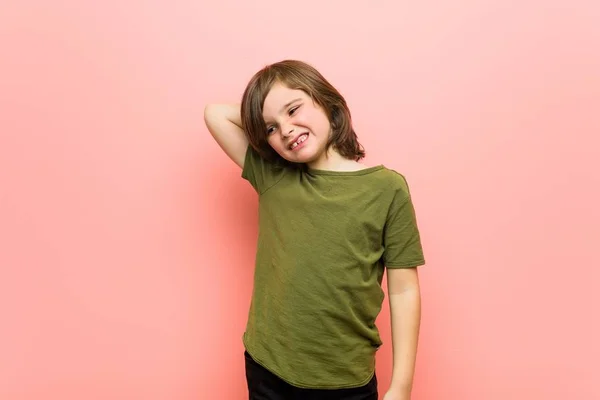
{"type": "Point", "coordinates": [287, 131]}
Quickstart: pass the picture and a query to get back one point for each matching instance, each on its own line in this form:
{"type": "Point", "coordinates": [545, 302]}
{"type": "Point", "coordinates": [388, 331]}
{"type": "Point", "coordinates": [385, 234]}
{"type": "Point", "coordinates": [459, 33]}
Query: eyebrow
{"type": "Point", "coordinates": [289, 104]}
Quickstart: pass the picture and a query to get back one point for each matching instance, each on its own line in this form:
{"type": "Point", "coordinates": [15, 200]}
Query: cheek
{"type": "Point", "coordinates": [316, 120]}
{"type": "Point", "coordinates": [276, 144]}
{"type": "Point", "coordinates": [323, 123]}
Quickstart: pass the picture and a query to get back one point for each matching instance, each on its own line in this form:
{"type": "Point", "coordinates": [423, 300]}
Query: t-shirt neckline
{"type": "Point", "coordinates": [363, 171]}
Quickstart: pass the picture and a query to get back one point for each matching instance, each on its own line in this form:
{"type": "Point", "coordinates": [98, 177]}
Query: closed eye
{"type": "Point", "coordinates": [293, 110]}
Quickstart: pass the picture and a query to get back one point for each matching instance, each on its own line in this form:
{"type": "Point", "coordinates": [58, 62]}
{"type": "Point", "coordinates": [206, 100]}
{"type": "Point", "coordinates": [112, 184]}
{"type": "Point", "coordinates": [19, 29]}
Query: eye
{"type": "Point", "coordinates": [293, 110]}
{"type": "Point", "coordinates": [270, 129]}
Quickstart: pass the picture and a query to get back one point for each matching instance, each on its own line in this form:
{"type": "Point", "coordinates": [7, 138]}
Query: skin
{"type": "Point", "coordinates": [405, 311]}
{"type": "Point", "coordinates": [289, 113]}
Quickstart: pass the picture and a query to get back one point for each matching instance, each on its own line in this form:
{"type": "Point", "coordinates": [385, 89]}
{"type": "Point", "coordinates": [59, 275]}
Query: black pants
{"type": "Point", "coordinates": [264, 385]}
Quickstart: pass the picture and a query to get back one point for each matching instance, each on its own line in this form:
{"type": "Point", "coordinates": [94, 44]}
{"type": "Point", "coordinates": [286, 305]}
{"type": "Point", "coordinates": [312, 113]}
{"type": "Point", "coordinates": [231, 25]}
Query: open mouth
{"type": "Point", "coordinates": [299, 141]}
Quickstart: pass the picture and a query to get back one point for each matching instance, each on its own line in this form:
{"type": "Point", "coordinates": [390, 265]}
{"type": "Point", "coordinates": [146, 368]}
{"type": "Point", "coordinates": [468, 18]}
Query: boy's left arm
{"type": "Point", "coordinates": [405, 311]}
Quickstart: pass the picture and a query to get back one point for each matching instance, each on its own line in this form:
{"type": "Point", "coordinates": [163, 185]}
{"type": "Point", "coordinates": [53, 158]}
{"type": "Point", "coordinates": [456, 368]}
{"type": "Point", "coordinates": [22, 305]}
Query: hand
{"type": "Point", "coordinates": [397, 394]}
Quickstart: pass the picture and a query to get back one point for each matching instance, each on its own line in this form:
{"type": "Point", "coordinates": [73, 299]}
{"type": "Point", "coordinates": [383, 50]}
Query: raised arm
{"type": "Point", "coordinates": [224, 124]}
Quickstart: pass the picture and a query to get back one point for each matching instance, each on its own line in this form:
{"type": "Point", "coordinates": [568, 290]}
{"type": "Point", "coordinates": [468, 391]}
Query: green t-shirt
{"type": "Point", "coordinates": [324, 240]}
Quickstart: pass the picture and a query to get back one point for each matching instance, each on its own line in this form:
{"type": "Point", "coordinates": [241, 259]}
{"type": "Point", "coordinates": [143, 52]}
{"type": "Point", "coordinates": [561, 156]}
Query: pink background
{"type": "Point", "coordinates": [127, 237]}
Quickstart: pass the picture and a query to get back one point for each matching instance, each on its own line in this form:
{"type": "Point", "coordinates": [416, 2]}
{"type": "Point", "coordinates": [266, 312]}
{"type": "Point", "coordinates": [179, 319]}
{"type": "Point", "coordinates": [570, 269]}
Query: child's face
{"type": "Point", "coordinates": [297, 128]}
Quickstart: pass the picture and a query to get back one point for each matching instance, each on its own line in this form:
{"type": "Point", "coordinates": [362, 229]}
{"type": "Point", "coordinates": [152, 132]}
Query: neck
{"type": "Point", "coordinates": [335, 162]}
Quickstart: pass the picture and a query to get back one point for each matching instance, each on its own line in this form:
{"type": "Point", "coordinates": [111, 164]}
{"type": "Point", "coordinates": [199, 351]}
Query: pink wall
{"type": "Point", "coordinates": [127, 238]}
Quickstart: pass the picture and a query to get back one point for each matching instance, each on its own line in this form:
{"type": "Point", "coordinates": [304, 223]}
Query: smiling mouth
{"type": "Point", "coordinates": [298, 141]}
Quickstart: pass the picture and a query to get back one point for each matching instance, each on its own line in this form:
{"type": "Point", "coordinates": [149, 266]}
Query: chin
{"type": "Point", "coordinates": [303, 158]}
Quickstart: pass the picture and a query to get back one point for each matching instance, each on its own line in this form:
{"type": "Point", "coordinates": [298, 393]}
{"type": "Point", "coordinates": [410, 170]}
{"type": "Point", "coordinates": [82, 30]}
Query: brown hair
{"type": "Point", "coordinates": [299, 76]}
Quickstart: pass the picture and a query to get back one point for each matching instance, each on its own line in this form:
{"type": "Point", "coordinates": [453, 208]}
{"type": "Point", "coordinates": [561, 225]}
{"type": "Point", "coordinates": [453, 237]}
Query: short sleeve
{"type": "Point", "coordinates": [261, 174]}
{"type": "Point", "coordinates": [401, 237]}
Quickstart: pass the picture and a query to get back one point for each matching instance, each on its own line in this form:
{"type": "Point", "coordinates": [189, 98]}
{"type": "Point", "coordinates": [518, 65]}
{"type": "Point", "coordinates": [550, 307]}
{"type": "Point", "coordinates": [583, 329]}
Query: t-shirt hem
{"type": "Point", "coordinates": [301, 384]}
{"type": "Point", "coordinates": [405, 265]}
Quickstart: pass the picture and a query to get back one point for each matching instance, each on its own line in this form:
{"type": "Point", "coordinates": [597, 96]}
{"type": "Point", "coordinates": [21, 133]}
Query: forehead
{"type": "Point", "coordinates": [278, 97]}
